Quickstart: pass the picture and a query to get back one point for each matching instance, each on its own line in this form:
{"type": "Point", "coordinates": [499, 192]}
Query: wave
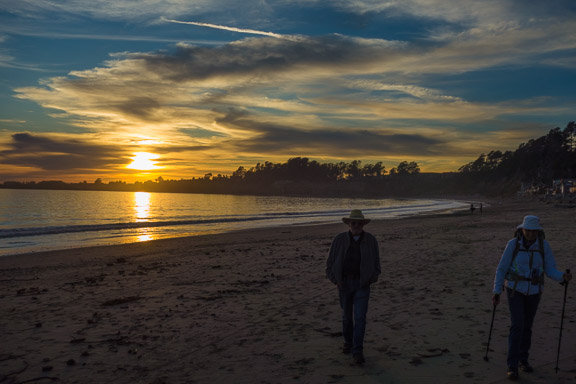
{"type": "Point", "coordinates": [56, 230]}
{"type": "Point", "coordinates": [379, 212]}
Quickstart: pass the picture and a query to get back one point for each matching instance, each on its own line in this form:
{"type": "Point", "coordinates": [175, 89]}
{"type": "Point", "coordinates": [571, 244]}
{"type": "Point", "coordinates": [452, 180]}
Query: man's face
{"type": "Point", "coordinates": [530, 234]}
{"type": "Point", "coordinates": [356, 227]}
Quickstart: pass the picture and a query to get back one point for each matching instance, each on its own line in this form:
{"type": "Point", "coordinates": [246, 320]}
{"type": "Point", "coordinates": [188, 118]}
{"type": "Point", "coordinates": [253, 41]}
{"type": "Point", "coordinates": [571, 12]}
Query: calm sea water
{"type": "Point", "coordinates": [37, 220]}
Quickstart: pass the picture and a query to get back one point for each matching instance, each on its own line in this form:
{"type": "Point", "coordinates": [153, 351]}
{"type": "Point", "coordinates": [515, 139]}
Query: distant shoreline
{"type": "Point", "coordinates": [81, 236]}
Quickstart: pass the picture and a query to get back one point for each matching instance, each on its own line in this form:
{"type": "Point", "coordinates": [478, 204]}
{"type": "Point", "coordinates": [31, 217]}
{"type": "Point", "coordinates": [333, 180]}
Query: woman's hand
{"type": "Point", "coordinates": [496, 299]}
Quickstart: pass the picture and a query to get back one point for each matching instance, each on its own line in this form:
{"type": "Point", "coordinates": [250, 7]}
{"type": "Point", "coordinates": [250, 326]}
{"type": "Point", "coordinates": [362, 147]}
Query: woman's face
{"type": "Point", "coordinates": [530, 234]}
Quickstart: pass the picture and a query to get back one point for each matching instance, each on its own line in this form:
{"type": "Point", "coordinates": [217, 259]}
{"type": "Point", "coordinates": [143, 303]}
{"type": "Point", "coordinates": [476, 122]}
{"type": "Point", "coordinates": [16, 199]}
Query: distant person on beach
{"type": "Point", "coordinates": [522, 266]}
{"type": "Point", "coordinates": [353, 264]}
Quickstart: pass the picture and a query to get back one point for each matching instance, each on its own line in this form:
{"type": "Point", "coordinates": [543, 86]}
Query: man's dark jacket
{"type": "Point", "coordinates": [369, 265]}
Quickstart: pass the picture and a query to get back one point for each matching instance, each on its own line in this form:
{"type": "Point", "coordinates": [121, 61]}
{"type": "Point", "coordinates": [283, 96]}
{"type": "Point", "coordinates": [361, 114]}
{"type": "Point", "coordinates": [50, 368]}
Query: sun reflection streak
{"type": "Point", "coordinates": [142, 214]}
{"type": "Point", "coordinates": [144, 237]}
{"type": "Point", "coordinates": [142, 206]}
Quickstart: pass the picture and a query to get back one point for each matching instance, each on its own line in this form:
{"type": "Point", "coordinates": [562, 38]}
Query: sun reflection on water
{"type": "Point", "coordinates": [144, 237]}
{"type": "Point", "coordinates": [142, 214]}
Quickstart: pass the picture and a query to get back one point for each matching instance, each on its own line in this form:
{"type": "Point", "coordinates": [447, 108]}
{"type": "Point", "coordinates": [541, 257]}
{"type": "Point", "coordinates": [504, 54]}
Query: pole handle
{"type": "Point", "coordinates": [565, 282]}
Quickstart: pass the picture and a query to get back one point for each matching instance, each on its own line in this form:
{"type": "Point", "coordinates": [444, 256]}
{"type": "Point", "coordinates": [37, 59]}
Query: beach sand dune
{"type": "Point", "coordinates": [254, 307]}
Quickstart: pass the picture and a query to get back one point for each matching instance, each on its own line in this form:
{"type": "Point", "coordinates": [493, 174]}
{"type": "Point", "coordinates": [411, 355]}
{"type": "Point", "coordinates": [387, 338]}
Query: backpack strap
{"type": "Point", "coordinates": [511, 275]}
{"type": "Point", "coordinates": [541, 237]}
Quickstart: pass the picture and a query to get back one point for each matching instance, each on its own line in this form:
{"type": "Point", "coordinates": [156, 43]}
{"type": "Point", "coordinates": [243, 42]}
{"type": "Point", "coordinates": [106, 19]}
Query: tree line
{"type": "Point", "coordinates": [539, 161]}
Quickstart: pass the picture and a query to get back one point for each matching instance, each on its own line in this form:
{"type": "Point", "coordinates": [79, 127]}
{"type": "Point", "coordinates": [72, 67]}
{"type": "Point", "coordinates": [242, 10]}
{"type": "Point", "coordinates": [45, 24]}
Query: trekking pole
{"type": "Point", "coordinates": [565, 284]}
{"type": "Point", "coordinates": [490, 333]}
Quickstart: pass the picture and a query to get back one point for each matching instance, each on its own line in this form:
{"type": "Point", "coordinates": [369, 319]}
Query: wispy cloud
{"type": "Point", "coordinates": [12, 121]}
{"type": "Point", "coordinates": [232, 29]}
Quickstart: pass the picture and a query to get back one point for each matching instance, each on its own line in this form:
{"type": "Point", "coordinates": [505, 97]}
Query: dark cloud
{"type": "Point", "coordinates": [139, 107]}
{"type": "Point", "coordinates": [199, 132]}
{"type": "Point", "coordinates": [60, 154]}
{"type": "Point", "coordinates": [272, 138]}
{"type": "Point", "coordinates": [262, 56]}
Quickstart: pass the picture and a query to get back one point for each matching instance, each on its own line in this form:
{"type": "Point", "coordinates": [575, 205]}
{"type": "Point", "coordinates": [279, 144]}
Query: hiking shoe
{"type": "Point", "coordinates": [359, 358]}
{"type": "Point", "coordinates": [526, 367]}
{"type": "Point", "coordinates": [347, 348]}
{"type": "Point", "coordinates": [513, 373]}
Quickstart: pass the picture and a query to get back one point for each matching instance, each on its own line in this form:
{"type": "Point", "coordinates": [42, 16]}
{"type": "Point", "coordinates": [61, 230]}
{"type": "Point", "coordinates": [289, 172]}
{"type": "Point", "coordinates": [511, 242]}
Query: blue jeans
{"type": "Point", "coordinates": [522, 312]}
{"type": "Point", "coordinates": [354, 304]}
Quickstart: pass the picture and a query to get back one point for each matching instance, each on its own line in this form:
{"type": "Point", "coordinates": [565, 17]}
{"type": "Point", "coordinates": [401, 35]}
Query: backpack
{"type": "Point", "coordinates": [512, 276]}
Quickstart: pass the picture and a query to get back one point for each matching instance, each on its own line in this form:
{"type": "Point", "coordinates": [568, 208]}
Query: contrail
{"type": "Point", "coordinates": [240, 30]}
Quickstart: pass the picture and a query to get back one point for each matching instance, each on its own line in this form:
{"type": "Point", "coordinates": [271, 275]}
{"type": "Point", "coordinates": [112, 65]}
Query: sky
{"type": "Point", "coordinates": [136, 89]}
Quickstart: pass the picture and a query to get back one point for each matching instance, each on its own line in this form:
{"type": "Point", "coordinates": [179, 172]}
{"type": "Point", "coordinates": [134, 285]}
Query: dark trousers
{"type": "Point", "coordinates": [522, 312]}
{"type": "Point", "coordinates": [354, 304]}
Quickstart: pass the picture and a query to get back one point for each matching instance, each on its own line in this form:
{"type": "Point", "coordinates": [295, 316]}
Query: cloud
{"type": "Point", "coordinates": [144, 10]}
{"type": "Point", "coordinates": [54, 154]}
{"type": "Point", "coordinates": [12, 121]}
{"type": "Point", "coordinates": [232, 29]}
{"type": "Point", "coordinates": [328, 96]}
{"type": "Point", "coordinates": [289, 141]}
{"type": "Point", "coordinates": [470, 12]}
{"type": "Point", "coordinates": [39, 32]}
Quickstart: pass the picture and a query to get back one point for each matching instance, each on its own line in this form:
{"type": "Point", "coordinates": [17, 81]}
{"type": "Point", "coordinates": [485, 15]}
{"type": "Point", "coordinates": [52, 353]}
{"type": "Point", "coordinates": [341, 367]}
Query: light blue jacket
{"type": "Point", "coordinates": [521, 267]}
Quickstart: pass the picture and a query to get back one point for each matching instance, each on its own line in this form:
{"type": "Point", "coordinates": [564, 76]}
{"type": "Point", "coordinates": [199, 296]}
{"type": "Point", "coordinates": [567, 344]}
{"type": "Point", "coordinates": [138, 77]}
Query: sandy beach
{"type": "Point", "coordinates": [255, 307]}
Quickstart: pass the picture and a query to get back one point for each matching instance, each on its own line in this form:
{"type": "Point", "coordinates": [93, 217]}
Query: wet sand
{"type": "Point", "coordinates": [254, 307]}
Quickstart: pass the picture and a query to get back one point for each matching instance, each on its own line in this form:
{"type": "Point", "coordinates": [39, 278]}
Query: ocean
{"type": "Point", "coordinates": [40, 220]}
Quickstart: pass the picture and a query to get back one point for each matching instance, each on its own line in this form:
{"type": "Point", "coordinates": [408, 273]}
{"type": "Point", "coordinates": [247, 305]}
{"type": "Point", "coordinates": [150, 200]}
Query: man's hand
{"type": "Point", "coordinates": [496, 299]}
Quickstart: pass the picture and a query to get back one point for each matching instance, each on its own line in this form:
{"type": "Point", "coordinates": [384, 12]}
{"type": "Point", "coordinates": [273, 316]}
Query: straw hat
{"type": "Point", "coordinates": [531, 223]}
{"type": "Point", "coordinates": [355, 215]}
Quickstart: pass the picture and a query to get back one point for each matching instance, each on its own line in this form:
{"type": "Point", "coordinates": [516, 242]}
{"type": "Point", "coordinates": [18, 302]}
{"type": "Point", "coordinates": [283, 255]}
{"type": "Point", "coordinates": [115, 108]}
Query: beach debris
{"type": "Point", "coordinates": [71, 362]}
{"type": "Point", "coordinates": [96, 317]}
{"type": "Point", "coordinates": [31, 291]}
{"type": "Point", "coordinates": [121, 300]}
{"type": "Point", "coordinates": [94, 279]}
{"type": "Point", "coordinates": [435, 352]}
{"type": "Point", "coordinates": [252, 282]}
{"type": "Point", "coordinates": [416, 361]}
{"type": "Point", "coordinates": [39, 379]}
{"type": "Point", "coordinates": [327, 332]}
{"type": "Point", "coordinates": [305, 361]}
{"type": "Point", "coordinates": [209, 298]}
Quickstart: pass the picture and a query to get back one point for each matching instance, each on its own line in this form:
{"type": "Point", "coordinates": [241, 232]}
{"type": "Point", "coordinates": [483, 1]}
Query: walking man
{"type": "Point", "coordinates": [525, 261]}
{"type": "Point", "coordinates": [353, 264]}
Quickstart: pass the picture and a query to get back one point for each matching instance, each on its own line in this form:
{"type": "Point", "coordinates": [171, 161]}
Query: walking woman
{"type": "Point", "coordinates": [525, 261]}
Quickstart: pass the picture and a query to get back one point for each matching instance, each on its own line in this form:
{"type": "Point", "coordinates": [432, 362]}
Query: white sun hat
{"type": "Point", "coordinates": [531, 222]}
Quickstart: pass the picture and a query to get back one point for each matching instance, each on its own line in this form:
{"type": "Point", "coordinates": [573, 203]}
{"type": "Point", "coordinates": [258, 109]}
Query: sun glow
{"type": "Point", "coordinates": [144, 161]}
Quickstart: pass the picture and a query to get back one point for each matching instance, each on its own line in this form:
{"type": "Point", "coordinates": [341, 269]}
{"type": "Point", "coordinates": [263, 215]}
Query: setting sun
{"type": "Point", "coordinates": [143, 161]}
